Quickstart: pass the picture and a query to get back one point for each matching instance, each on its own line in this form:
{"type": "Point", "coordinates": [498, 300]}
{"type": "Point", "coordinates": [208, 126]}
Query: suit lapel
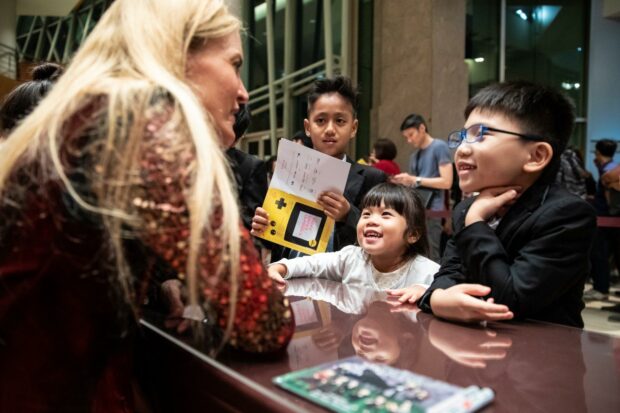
{"type": "Point", "coordinates": [355, 181]}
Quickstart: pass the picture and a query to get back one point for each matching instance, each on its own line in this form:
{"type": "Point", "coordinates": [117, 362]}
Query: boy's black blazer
{"type": "Point", "coordinates": [536, 261]}
{"type": "Point", "coordinates": [251, 178]}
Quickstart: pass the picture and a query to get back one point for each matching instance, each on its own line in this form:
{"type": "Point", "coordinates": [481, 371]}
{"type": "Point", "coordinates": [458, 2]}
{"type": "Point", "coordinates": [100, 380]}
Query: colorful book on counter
{"type": "Point", "coordinates": [357, 385]}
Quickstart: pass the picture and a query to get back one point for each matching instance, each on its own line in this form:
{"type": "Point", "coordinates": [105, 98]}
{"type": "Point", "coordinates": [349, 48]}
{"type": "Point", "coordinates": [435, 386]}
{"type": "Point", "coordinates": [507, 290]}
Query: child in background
{"type": "Point", "coordinates": [301, 138]}
{"type": "Point", "coordinates": [392, 240]}
{"type": "Point", "coordinates": [522, 244]}
{"type": "Point", "coordinates": [382, 156]}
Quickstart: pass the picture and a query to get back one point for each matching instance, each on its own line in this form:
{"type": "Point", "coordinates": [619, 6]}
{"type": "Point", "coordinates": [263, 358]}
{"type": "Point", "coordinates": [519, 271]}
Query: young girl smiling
{"type": "Point", "coordinates": [391, 234]}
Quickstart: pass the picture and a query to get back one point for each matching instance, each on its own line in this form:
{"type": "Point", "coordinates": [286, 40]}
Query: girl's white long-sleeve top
{"type": "Point", "coordinates": [352, 265]}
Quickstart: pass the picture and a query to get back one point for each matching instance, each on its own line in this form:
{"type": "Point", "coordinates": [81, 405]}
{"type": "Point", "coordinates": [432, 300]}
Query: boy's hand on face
{"type": "Point", "coordinates": [260, 222]}
{"type": "Point", "coordinates": [459, 303]}
{"type": "Point", "coordinates": [403, 179]}
{"type": "Point", "coordinates": [491, 202]}
{"type": "Point", "coordinates": [335, 205]}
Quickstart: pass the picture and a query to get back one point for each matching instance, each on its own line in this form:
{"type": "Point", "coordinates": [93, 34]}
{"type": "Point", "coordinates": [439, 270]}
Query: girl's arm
{"type": "Point", "coordinates": [328, 265]}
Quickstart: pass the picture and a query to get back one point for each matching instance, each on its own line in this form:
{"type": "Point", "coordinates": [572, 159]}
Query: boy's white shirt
{"type": "Point", "coordinates": [351, 265]}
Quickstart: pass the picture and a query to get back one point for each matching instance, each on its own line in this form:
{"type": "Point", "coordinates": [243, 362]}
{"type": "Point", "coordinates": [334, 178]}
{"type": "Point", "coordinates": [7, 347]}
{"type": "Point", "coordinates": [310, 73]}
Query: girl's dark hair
{"type": "Point", "coordinates": [407, 203]}
{"type": "Point", "coordinates": [23, 99]}
{"type": "Point", "coordinates": [385, 149]}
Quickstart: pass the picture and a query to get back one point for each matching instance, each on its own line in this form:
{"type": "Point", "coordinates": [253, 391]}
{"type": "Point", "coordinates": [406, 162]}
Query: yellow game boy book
{"type": "Point", "coordinates": [301, 174]}
{"type": "Point", "coordinates": [296, 222]}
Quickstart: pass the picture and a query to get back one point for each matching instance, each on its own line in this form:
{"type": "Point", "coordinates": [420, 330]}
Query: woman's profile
{"type": "Point", "coordinates": [119, 174]}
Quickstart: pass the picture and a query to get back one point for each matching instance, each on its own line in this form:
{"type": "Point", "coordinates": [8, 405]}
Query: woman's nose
{"type": "Point", "coordinates": [242, 94]}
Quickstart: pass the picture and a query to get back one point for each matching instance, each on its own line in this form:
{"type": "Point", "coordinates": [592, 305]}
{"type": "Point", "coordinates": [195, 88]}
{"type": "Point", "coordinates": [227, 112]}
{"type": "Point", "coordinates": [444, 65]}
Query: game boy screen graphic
{"type": "Point", "coordinates": [305, 226]}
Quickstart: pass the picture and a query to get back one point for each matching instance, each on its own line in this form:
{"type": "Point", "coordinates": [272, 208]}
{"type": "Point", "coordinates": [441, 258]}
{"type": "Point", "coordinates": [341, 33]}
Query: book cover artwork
{"type": "Point", "coordinates": [357, 385]}
{"type": "Point", "coordinates": [297, 221]}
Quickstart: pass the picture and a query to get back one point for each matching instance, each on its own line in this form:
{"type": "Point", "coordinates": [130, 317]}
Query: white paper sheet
{"type": "Point", "coordinates": [306, 173]}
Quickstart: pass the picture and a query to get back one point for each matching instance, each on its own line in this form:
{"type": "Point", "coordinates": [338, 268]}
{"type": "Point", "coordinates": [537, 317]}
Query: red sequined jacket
{"type": "Point", "coordinates": [65, 333]}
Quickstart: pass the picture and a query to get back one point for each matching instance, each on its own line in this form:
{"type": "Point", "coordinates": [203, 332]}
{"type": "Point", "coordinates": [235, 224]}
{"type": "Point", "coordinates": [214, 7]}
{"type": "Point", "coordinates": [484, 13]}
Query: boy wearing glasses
{"type": "Point", "coordinates": [520, 248]}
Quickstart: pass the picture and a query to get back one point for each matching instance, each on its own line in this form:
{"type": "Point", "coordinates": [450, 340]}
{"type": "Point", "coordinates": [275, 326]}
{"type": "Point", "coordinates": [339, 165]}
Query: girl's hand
{"type": "Point", "coordinates": [276, 272]}
{"type": "Point", "coordinates": [406, 295]}
{"type": "Point", "coordinates": [491, 202]}
{"type": "Point", "coordinates": [328, 338]}
{"type": "Point", "coordinates": [260, 222]}
{"type": "Point", "coordinates": [335, 205]}
{"type": "Point", "coordinates": [459, 303]}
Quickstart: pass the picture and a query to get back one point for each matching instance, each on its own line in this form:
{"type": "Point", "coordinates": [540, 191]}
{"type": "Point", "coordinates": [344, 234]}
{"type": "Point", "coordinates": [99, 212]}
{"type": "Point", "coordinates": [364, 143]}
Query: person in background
{"type": "Point", "coordinates": [301, 138]}
{"type": "Point", "coordinates": [271, 166]}
{"type": "Point", "coordinates": [429, 167]}
{"type": "Point", "coordinates": [520, 248]}
{"type": "Point", "coordinates": [23, 99]}
{"type": "Point", "coordinates": [605, 239]}
{"type": "Point", "coordinates": [118, 170]}
{"type": "Point", "coordinates": [250, 172]}
{"type": "Point", "coordinates": [571, 174]}
{"type": "Point", "coordinates": [382, 156]}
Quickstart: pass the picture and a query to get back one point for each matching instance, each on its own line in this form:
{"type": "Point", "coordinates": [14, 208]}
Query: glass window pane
{"type": "Point", "coordinates": [482, 43]}
{"type": "Point", "coordinates": [545, 43]}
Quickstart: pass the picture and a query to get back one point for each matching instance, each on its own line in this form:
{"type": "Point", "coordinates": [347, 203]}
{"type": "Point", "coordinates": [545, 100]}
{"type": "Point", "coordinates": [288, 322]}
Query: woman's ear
{"type": "Point", "coordinates": [539, 157]}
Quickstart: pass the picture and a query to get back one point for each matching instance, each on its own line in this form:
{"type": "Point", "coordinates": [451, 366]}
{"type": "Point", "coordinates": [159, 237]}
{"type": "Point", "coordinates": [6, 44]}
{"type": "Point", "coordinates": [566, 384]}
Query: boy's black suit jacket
{"type": "Point", "coordinates": [251, 178]}
{"type": "Point", "coordinates": [536, 261]}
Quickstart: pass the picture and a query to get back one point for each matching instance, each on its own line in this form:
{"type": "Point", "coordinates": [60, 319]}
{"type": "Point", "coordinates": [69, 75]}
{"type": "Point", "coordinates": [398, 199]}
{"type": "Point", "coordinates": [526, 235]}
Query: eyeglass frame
{"type": "Point", "coordinates": [462, 134]}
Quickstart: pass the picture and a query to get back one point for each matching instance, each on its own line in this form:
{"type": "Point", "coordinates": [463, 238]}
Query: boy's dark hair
{"type": "Point", "coordinates": [407, 203]}
{"type": "Point", "coordinates": [339, 84]}
{"type": "Point", "coordinates": [606, 147]}
{"type": "Point", "coordinates": [305, 140]}
{"type": "Point", "coordinates": [243, 118]}
{"type": "Point", "coordinates": [539, 110]}
{"type": "Point", "coordinates": [385, 149]}
{"type": "Point", "coordinates": [22, 100]}
{"type": "Point", "coordinates": [413, 121]}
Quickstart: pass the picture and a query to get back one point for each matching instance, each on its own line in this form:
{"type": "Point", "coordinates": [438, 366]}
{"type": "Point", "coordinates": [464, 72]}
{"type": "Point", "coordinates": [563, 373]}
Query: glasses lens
{"type": "Point", "coordinates": [473, 133]}
{"type": "Point", "coordinates": [454, 139]}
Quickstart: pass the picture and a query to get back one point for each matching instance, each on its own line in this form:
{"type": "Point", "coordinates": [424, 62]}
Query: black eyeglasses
{"type": "Point", "coordinates": [475, 133]}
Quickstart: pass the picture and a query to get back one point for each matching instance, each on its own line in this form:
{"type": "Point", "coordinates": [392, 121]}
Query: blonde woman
{"type": "Point", "coordinates": [117, 174]}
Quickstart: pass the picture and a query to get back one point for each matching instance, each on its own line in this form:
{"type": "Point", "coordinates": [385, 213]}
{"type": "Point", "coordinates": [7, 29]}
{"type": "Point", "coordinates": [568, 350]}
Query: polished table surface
{"type": "Point", "coordinates": [531, 366]}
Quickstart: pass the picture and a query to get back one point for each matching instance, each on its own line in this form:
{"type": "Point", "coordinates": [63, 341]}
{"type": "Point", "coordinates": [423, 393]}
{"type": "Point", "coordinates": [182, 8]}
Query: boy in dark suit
{"type": "Point", "coordinates": [332, 124]}
{"type": "Point", "coordinates": [522, 244]}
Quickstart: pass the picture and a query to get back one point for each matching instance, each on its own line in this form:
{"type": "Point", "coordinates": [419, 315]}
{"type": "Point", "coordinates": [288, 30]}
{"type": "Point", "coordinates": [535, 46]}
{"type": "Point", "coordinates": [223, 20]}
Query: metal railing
{"type": "Point", "coordinates": [56, 39]}
{"type": "Point", "coordinates": [294, 84]}
{"type": "Point", "coordinates": [298, 82]}
{"type": "Point", "coordinates": [283, 90]}
{"type": "Point", "coordinates": [8, 61]}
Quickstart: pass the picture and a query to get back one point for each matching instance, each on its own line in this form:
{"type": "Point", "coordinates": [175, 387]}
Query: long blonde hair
{"type": "Point", "coordinates": [138, 48]}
